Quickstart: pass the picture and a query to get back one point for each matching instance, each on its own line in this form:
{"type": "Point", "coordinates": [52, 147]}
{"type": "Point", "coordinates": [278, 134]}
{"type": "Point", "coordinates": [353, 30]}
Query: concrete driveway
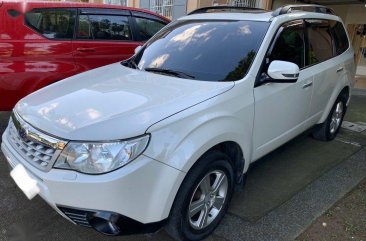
{"type": "Point", "coordinates": [285, 192]}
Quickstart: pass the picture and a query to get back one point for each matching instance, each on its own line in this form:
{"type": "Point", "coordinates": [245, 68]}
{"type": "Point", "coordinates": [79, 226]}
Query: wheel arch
{"type": "Point", "coordinates": [235, 153]}
{"type": "Point", "coordinates": [340, 91]}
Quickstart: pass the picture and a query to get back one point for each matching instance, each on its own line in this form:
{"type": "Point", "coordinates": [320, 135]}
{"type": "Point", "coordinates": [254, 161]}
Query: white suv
{"type": "Point", "coordinates": [164, 137]}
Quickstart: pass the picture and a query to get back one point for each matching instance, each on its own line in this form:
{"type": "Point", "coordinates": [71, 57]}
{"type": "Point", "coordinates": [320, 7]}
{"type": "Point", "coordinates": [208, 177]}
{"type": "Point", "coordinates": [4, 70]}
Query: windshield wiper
{"type": "Point", "coordinates": [175, 73]}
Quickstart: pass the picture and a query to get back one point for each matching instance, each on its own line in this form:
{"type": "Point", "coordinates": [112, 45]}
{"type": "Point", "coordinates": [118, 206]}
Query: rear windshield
{"type": "Point", "coordinates": [218, 50]}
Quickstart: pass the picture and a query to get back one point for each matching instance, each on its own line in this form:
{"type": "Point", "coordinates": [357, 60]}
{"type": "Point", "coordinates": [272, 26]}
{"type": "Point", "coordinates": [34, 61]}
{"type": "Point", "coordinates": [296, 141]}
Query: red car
{"type": "Point", "coordinates": [44, 42]}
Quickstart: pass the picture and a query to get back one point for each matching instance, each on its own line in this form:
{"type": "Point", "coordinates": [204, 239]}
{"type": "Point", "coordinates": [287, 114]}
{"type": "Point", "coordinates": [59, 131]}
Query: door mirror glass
{"type": "Point", "coordinates": [137, 49]}
{"type": "Point", "coordinates": [283, 72]}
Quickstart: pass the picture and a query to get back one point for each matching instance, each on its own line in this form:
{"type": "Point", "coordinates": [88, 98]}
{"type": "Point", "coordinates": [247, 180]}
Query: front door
{"type": "Point", "coordinates": [282, 108]}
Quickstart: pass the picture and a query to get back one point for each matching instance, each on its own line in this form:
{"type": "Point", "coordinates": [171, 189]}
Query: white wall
{"type": "Point", "coordinates": [356, 14]}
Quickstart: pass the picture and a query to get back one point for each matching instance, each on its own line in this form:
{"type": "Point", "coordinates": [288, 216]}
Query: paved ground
{"type": "Point", "coordinates": [360, 82]}
{"type": "Point", "coordinates": [286, 191]}
{"type": "Point", "coordinates": [345, 221]}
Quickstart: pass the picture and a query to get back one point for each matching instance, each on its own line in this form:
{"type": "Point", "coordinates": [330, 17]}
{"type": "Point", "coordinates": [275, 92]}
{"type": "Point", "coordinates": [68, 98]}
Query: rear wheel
{"type": "Point", "coordinates": [329, 129]}
{"type": "Point", "coordinates": [203, 198]}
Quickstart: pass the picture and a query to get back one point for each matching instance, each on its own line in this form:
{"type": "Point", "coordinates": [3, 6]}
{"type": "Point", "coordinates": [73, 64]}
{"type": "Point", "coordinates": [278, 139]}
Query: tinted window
{"type": "Point", "coordinates": [290, 45]}
{"type": "Point", "coordinates": [146, 28]}
{"type": "Point", "coordinates": [104, 27]}
{"type": "Point", "coordinates": [210, 51]}
{"type": "Point", "coordinates": [52, 23]}
{"type": "Point", "coordinates": [339, 36]}
{"type": "Point", "coordinates": [320, 46]}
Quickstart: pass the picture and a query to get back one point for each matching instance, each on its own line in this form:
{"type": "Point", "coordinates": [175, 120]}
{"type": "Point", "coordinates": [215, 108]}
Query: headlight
{"type": "Point", "coordinates": [100, 157]}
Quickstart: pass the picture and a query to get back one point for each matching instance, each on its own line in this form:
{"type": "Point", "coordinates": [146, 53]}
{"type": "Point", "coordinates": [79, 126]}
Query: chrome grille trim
{"type": "Point", "coordinates": [38, 149]}
{"type": "Point", "coordinates": [35, 135]}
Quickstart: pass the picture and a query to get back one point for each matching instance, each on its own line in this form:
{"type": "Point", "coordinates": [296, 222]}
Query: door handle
{"type": "Point", "coordinates": [307, 85]}
{"type": "Point", "coordinates": [85, 50]}
{"type": "Point", "coordinates": [340, 69]}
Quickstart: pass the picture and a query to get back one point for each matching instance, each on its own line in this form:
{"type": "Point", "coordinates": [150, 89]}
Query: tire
{"type": "Point", "coordinates": [211, 168]}
{"type": "Point", "coordinates": [328, 130]}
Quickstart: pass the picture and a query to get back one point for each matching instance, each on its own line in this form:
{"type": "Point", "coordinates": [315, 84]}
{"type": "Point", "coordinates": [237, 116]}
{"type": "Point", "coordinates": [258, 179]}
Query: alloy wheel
{"type": "Point", "coordinates": [336, 117]}
{"type": "Point", "coordinates": [208, 199]}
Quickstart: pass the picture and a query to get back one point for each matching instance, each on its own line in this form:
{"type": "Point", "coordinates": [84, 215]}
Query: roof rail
{"type": "Point", "coordinates": [303, 7]}
{"type": "Point", "coordinates": [225, 8]}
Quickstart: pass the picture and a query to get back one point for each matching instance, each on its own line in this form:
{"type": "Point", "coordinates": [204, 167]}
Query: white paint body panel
{"type": "Point", "coordinates": [122, 191]}
{"type": "Point", "coordinates": [278, 70]}
{"type": "Point", "coordinates": [125, 100]}
{"type": "Point", "coordinates": [184, 117]}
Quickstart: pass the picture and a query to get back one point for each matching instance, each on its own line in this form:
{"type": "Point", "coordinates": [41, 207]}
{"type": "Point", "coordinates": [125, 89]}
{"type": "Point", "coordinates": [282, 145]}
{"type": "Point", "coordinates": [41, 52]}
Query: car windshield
{"type": "Point", "coordinates": [217, 50]}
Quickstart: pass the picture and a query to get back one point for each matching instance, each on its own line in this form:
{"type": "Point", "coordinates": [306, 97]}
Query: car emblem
{"type": "Point", "coordinates": [23, 133]}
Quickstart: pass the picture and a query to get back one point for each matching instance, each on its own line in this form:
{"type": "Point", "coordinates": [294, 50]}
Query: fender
{"type": "Point", "coordinates": [186, 136]}
{"type": "Point", "coordinates": [337, 90]}
{"type": "Point", "coordinates": [182, 139]}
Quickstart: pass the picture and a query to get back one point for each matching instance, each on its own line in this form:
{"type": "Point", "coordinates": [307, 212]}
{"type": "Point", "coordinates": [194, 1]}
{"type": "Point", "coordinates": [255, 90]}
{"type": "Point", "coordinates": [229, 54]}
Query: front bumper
{"type": "Point", "coordinates": [143, 190]}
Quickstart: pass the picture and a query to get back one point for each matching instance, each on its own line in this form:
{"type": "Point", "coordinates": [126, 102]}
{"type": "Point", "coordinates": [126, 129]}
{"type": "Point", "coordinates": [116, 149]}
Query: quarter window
{"type": "Point", "coordinates": [147, 28]}
{"type": "Point", "coordinates": [104, 27]}
{"type": "Point", "coordinates": [290, 44]}
{"type": "Point", "coordinates": [320, 46]}
{"type": "Point", "coordinates": [52, 23]}
{"type": "Point", "coordinates": [339, 36]}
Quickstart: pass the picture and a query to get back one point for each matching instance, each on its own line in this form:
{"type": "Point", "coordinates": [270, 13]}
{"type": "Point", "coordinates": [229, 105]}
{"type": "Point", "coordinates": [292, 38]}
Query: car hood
{"type": "Point", "coordinates": [112, 102]}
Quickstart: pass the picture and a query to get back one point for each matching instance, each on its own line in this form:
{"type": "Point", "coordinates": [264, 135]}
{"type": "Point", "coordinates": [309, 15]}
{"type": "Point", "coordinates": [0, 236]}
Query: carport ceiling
{"type": "Point", "coordinates": [336, 2]}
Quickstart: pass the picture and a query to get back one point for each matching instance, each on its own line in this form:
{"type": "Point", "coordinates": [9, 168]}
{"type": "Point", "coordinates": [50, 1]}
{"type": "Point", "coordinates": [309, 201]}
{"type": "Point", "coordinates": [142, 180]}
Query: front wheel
{"type": "Point", "coordinates": [329, 129]}
{"type": "Point", "coordinates": [203, 198]}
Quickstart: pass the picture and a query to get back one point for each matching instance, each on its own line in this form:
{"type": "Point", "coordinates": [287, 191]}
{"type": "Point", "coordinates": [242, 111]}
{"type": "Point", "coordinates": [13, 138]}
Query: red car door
{"type": "Point", "coordinates": [35, 49]}
{"type": "Point", "coordinates": [103, 36]}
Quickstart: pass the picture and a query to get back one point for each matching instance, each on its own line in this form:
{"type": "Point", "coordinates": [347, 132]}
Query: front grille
{"type": "Point", "coordinates": [38, 153]}
{"type": "Point", "coordinates": [77, 216]}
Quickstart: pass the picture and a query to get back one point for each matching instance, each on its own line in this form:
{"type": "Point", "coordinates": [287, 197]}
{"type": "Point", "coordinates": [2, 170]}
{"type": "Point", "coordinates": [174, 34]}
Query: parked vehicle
{"type": "Point", "coordinates": [164, 137]}
{"type": "Point", "coordinates": [44, 42]}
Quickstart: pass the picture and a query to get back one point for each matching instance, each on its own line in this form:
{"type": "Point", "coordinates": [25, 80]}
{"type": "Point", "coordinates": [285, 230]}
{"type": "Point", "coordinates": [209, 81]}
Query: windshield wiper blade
{"type": "Point", "coordinates": [175, 73]}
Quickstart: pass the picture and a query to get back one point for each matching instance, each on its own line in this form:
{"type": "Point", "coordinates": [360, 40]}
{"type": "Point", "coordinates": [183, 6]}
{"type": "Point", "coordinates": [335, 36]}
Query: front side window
{"type": "Point", "coordinates": [217, 50]}
{"type": "Point", "coordinates": [290, 44]}
{"type": "Point", "coordinates": [320, 47]}
{"type": "Point", "coordinates": [104, 27]}
{"type": "Point", "coordinates": [52, 23]}
{"type": "Point", "coordinates": [146, 28]}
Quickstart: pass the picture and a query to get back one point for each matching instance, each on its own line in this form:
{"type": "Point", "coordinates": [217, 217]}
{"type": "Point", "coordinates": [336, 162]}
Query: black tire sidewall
{"type": "Point", "coordinates": [341, 98]}
{"type": "Point", "coordinates": [212, 161]}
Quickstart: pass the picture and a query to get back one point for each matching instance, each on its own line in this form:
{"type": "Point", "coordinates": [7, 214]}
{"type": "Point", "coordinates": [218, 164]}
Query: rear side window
{"type": "Point", "coordinates": [290, 44]}
{"type": "Point", "coordinates": [104, 27]}
{"type": "Point", "coordinates": [320, 47]}
{"type": "Point", "coordinates": [52, 23]}
{"type": "Point", "coordinates": [146, 28]}
{"type": "Point", "coordinates": [339, 36]}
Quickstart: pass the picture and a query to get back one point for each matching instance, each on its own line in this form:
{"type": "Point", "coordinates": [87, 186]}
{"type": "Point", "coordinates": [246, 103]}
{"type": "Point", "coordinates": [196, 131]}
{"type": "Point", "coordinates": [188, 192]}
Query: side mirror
{"type": "Point", "coordinates": [283, 72]}
{"type": "Point", "coordinates": [137, 49]}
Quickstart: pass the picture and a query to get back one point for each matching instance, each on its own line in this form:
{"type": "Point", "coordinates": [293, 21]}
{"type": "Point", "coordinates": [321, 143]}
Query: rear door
{"type": "Point", "coordinates": [38, 49]}
{"type": "Point", "coordinates": [327, 69]}
{"type": "Point", "coordinates": [103, 36]}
